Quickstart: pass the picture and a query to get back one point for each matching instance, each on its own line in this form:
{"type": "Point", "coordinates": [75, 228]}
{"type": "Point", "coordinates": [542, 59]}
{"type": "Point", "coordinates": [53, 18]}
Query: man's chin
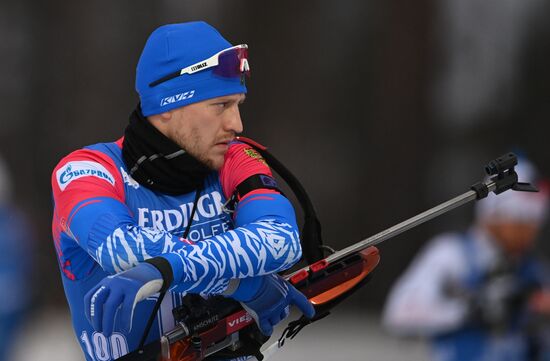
{"type": "Point", "coordinates": [216, 159]}
{"type": "Point", "coordinates": [214, 163]}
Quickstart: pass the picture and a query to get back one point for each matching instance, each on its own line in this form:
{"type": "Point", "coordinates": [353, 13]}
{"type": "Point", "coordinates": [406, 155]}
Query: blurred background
{"type": "Point", "coordinates": [382, 110]}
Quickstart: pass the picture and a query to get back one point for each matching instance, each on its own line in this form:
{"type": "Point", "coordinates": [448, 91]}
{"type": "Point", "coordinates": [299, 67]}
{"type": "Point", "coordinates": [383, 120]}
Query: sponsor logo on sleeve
{"type": "Point", "coordinates": [78, 169]}
{"type": "Point", "coordinates": [253, 154]}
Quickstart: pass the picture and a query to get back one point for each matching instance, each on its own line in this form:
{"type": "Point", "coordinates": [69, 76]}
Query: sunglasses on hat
{"type": "Point", "coordinates": [228, 63]}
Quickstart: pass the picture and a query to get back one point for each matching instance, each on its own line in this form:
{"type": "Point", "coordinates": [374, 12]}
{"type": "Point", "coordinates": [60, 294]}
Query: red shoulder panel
{"type": "Point", "coordinates": [82, 175]}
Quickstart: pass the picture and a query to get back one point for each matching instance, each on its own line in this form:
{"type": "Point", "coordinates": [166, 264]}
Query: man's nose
{"type": "Point", "coordinates": [233, 122]}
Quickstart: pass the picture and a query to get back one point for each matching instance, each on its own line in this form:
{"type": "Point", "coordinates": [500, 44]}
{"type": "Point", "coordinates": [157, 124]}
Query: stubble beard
{"type": "Point", "coordinates": [191, 143]}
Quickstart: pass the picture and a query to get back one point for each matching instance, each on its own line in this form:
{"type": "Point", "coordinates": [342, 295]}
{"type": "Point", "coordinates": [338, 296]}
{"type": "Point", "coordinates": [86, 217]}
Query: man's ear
{"type": "Point", "coordinates": [160, 118]}
{"type": "Point", "coordinates": [166, 115]}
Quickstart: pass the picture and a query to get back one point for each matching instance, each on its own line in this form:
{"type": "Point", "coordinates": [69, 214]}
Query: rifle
{"type": "Point", "coordinates": [219, 328]}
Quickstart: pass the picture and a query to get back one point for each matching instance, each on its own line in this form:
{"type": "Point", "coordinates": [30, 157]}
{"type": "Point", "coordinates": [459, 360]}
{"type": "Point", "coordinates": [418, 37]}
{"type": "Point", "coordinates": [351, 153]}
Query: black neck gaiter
{"type": "Point", "coordinates": [158, 163]}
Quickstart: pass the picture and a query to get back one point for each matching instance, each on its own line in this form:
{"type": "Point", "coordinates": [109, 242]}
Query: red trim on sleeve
{"type": "Point", "coordinates": [252, 198]}
{"type": "Point", "coordinates": [68, 273]}
{"type": "Point", "coordinates": [81, 206]}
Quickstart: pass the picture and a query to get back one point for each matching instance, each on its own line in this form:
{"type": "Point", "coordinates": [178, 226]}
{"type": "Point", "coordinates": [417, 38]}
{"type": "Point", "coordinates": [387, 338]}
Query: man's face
{"type": "Point", "coordinates": [513, 237]}
{"type": "Point", "coordinates": [204, 129]}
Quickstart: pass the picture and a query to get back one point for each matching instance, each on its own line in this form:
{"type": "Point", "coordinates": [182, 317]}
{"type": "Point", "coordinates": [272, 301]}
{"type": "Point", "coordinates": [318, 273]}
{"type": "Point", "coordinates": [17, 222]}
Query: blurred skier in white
{"type": "Point", "coordinates": [479, 295]}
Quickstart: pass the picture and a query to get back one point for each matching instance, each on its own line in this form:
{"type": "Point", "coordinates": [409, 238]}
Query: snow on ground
{"type": "Point", "coordinates": [349, 337]}
{"type": "Point", "coordinates": [341, 336]}
{"type": "Point", "coordinates": [47, 336]}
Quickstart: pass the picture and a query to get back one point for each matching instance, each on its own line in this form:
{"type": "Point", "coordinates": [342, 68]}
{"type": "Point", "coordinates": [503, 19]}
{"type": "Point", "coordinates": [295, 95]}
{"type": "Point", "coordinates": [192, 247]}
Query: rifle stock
{"type": "Point", "coordinates": [324, 283]}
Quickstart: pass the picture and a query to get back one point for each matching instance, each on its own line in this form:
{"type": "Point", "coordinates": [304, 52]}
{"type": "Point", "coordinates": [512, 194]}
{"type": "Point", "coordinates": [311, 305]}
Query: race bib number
{"type": "Point", "coordinates": [78, 169]}
{"type": "Point", "coordinates": [101, 348]}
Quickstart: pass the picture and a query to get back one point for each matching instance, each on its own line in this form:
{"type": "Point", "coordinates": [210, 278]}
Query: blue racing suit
{"type": "Point", "coordinates": [105, 222]}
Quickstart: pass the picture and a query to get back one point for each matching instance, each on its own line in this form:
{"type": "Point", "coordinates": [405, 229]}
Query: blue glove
{"type": "Point", "coordinates": [120, 293]}
{"type": "Point", "coordinates": [268, 298]}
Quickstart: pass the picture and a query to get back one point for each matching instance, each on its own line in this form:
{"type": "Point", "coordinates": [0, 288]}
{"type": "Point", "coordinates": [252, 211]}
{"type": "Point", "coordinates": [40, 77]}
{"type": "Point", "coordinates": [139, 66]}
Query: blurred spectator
{"type": "Point", "coordinates": [14, 266]}
{"type": "Point", "coordinates": [480, 295]}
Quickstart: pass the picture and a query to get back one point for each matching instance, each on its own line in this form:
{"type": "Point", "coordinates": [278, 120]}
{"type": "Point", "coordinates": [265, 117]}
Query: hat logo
{"type": "Point", "coordinates": [177, 98]}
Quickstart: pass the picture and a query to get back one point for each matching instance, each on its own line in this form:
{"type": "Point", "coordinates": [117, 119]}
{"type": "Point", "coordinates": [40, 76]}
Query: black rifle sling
{"type": "Point", "coordinates": [311, 240]}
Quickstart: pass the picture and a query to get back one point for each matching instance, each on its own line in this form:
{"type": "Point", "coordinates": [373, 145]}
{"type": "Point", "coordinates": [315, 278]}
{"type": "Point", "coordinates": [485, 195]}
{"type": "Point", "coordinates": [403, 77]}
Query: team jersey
{"type": "Point", "coordinates": [105, 222]}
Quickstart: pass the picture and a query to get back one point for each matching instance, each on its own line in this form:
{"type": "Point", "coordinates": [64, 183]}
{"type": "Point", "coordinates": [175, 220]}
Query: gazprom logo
{"type": "Point", "coordinates": [177, 98]}
{"type": "Point", "coordinates": [78, 169]}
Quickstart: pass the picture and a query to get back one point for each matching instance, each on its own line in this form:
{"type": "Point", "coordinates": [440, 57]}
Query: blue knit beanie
{"type": "Point", "coordinates": [174, 47]}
